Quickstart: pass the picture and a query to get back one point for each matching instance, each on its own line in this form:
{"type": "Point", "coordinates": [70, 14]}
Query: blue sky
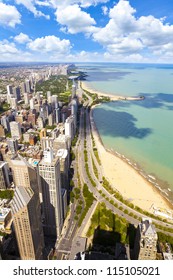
{"type": "Point", "coordinates": [86, 30]}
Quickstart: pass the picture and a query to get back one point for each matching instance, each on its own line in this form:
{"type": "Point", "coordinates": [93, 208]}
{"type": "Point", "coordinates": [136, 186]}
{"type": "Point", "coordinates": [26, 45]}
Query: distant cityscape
{"type": "Point", "coordinates": [54, 198]}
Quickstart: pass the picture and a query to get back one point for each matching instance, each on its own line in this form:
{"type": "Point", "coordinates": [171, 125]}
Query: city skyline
{"type": "Point", "coordinates": [85, 31]}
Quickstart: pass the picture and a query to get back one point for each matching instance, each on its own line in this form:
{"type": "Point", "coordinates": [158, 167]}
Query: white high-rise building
{"type": "Point", "coordinates": [57, 115]}
{"type": "Point", "coordinates": [15, 128]}
{"type": "Point", "coordinates": [54, 101]}
{"type": "Point", "coordinates": [49, 97]}
{"type": "Point", "coordinates": [13, 102]}
{"type": "Point", "coordinates": [40, 122]}
{"type": "Point", "coordinates": [28, 86]}
{"type": "Point", "coordinates": [51, 119]}
{"type": "Point", "coordinates": [69, 127]}
{"type": "Point", "coordinates": [74, 108]}
{"type": "Point", "coordinates": [49, 171]}
{"type": "Point", "coordinates": [73, 91]}
{"type": "Point", "coordinates": [26, 98]}
{"type": "Point", "coordinates": [9, 90]}
{"type": "Point", "coordinates": [9, 93]}
{"type": "Point", "coordinates": [5, 122]}
{"type": "Point", "coordinates": [31, 103]}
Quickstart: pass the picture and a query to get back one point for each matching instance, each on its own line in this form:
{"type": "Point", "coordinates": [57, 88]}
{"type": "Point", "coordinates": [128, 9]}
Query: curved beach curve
{"type": "Point", "coordinates": [126, 178]}
{"type": "Point", "coordinates": [112, 97]}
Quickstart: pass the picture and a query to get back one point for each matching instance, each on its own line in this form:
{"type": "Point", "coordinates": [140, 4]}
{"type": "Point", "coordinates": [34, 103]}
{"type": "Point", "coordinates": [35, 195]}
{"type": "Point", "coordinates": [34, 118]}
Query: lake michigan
{"type": "Point", "coordinates": [140, 130]}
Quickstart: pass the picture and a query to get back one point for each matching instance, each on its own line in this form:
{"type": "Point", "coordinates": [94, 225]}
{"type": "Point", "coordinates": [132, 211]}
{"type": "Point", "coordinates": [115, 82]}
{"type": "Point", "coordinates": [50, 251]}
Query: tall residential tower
{"type": "Point", "coordinates": [49, 171]}
{"type": "Point", "coordinates": [26, 210]}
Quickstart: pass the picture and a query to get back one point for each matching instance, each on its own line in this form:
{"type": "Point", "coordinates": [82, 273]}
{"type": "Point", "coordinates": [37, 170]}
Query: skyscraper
{"type": "Point", "coordinates": [5, 122]}
{"type": "Point", "coordinates": [28, 86]}
{"type": "Point", "coordinates": [73, 90]}
{"type": "Point", "coordinates": [16, 92]}
{"type": "Point", "coordinates": [23, 87]}
{"type": "Point", "coordinates": [13, 102]}
{"type": "Point", "coordinates": [9, 93]}
{"type": "Point", "coordinates": [26, 98]}
{"type": "Point", "coordinates": [49, 171]}
{"type": "Point", "coordinates": [63, 156]}
{"type": "Point", "coordinates": [12, 145]}
{"type": "Point", "coordinates": [4, 175]}
{"type": "Point", "coordinates": [31, 103]}
{"type": "Point", "coordinates": [27, 225]}
{"type": "Point", "coordinates": [26, 210]}
{"type": "Point", "coordinates": [69, 127]}
{"type": "Point", "coordinates": [15, 129]}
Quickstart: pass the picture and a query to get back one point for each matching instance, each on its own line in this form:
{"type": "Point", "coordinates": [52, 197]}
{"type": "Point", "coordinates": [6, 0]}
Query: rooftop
{"type": "Point", "coordinates": [146, 227]}
{"type": "Point", "coordinates": [3, 213]}
{"type": "Point", "coordinates": [62, 153]}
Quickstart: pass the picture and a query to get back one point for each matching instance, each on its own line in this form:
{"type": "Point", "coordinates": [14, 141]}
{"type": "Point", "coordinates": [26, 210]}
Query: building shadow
{"type": "Point", "coordinates": [131, 235]}
{"type": "Point", "coordinates": [104, 245]}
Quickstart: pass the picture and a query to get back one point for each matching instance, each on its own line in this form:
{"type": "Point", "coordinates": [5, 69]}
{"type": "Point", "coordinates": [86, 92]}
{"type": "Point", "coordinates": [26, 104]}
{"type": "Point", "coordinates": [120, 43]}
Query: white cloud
{"type": "Point", "coordinates": [128, 35]}
{"type": "Point", "coordinates": [22, 38]}
{"type": "Point", "coordinates": [9, 15]}
{"type": "Point", "coordinates": [7, 48]}
{"type": "Point", "coordinates": [75, 19]}
{"type": "Point", "coordinates": [125, 45]}
{"type": "Point", "coordinates": [42, 3]}
{"type": "Point", "coordinates": [88, 3]}
{"type": "Point", "coordinates": [82, 3]}
{"type": "Point", "coordinates": [105, 10]}
{"type": "Point", "coordinates": [30, 5]}
{"type": "Point", "coordinates": [84, 56]}
{"type": "Point", "coordinates": [50, 44]}
{"type": "Point", "coordinates": [9, 52]}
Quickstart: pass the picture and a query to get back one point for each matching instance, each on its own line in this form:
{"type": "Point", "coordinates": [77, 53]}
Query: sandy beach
{"type": "Point", "coordinates": [111, 96]}
{"type": "Point", "coordinates": [127, 180]}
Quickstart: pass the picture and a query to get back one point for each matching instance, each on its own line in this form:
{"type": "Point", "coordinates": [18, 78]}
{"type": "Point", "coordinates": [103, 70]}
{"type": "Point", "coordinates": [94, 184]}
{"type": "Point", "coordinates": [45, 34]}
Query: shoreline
{"type": "Point", "coordinates": [111, 96]}
{"type": "Point", "coordinates": [130, 180]}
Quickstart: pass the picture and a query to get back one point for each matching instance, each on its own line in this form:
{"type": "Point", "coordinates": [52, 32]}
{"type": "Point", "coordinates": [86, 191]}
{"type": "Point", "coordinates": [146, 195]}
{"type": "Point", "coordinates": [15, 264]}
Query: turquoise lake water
{"type": "Point", "coordinates": [140, 130]}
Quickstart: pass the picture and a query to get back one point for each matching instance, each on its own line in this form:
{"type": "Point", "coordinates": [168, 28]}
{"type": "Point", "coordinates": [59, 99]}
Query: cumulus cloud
{"type": "Point", "coordinates": [88, 3]}
{"type": "Point", "coordinates": [129, 35]}
{"type": "Point", "coordinates": [9, 15]}
{"type": "Point", "coordinates": [9, 52]}
{"type": "Point", "coordinates": [75, 19]}
{"type": "Point", "coordinates": [30, 5]}
{"type": "Point", "coordinates": [42, 3]}
{"type": "Point", "coordinates": [49, 44]}
{"type": "Point", "coordinates": [105, 10]}
{"type": "Point", "coordinates": [7, 48]}
{"type": "Point", "coordinates": [22, 38]}
{"type": "Point", "coordinates": [125, 58]}
{"type": "Point", "coordinates": [84, 56]}
{"type": "Point", "coordinates": [82, 3]}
